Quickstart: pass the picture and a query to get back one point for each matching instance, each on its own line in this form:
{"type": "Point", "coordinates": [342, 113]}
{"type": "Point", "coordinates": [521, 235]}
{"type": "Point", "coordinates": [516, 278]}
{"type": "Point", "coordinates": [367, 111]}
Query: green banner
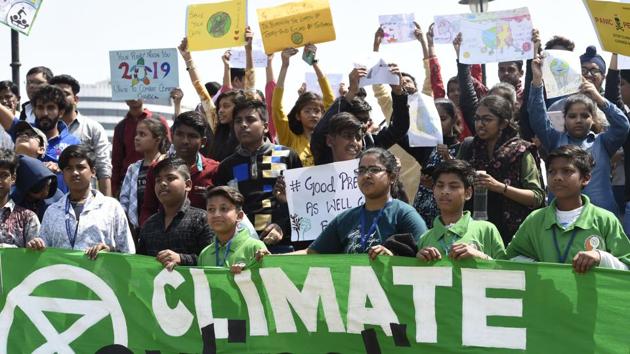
{"type": "Point", "coordinates": [59, 301]}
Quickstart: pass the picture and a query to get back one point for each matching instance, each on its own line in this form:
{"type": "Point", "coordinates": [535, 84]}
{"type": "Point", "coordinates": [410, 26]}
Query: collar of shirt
{"type": "Point", "coordinates": [240, 236]}
{"type": "Point", "coordinates": [584, 221]}
{"type": "Point", "coordinates": [182, 209]}
{"type": "Point", "coordinates": [266, 146]}
{"type": "Point", "coordinates": [63, 132]}
{"type": "Point", "coordinates": [93, 201]}
{"type": "Point", "coordinates": [9, 205]}
{"type": "Point", "coordinates": [145, 113]}
{"type": "Point", "coordinates": [459, 228]}
{"type": "Point", "coordinates": [198, 161]}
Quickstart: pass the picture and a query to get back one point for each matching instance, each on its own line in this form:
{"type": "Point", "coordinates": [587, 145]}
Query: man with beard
{"type": "Point", "coordinates": [90, 132]}
{"type": "Point", "coordinates": [49, 105]}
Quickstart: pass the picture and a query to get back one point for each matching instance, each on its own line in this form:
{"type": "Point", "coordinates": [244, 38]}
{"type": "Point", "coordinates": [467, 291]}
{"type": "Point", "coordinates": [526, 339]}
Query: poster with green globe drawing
{"type": "Point", "coordinates": [562, 72]}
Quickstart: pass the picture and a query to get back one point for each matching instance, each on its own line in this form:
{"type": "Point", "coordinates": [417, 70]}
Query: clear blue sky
{"type": "Point", "coordinates": [75, 36]}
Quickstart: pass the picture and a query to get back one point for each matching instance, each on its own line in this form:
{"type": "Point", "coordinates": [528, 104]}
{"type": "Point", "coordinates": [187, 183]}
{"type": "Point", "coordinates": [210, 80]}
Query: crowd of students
{"type": "Point", "coordinates": [209, 190]}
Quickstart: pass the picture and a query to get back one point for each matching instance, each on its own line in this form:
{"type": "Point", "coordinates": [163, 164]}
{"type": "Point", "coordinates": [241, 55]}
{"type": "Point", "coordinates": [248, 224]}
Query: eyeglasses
{"type": "Point", "coordinates": [591, 71]}
{"type": "Point", "coordinates": [484, 120]}
{"type": "Point", "coordinates": [372, 170]}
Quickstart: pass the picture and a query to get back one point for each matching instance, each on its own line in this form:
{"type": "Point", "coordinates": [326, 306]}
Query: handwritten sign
{"type": "Point", "coordinates": [446, 27]}
{"type": "Point", "coordinates": [562, 73]}
{"type": "Point", "coordinates": [623, 62]}
{"type": "Point", "coordinates": [317, 194]}
{"type": "Point", "coordinates": [425, 128]}
{"type": "Point", "coordinates": [19, 14]}
{"type": "Point", "coordinates": [216, 25]}
{"type": "Point", "coordinates": [237, 59]}
{"type": "Point", "coordinates": [295, 24]}
{"type": "Point", "coordinates": [397, 28]}
{"type": "Point", "coordinates": [312, 84]}
{"type": "Point", "coordinates": [612, 23]}
{"type": "Point", "coordinates": [148, 74]}
{"type": "Point", "coordinates": [379, 74]}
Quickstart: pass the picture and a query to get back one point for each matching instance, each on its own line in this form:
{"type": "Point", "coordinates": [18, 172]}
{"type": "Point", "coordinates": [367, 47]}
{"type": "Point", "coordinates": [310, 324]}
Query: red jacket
{"type": "Point", "coordinates": [201, 180]}
{"type": "Point", "coordinates": [123, 149]}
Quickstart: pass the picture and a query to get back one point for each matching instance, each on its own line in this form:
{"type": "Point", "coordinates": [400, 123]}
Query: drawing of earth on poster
{"type": "Point", "coordinates": [219, 24]}
{"type": "Point", "coordinates": [562, 72]}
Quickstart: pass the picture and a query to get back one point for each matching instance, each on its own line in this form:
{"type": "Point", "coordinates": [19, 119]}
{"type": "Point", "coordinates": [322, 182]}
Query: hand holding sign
{"type": "Point", "coordinates": [381, 73]}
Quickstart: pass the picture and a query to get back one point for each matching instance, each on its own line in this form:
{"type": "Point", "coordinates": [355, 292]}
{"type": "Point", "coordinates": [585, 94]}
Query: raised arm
{"type": "Point", "coordinates": [250, 73]}
{"type": "Point", "coordinates": [270, 86]}
{"type": "Point", "coordinates": [280, 119]}
{"type": "Point", "coordinates": [617, 133]}
{"type": "Point", "coordinates": [382, 92]}
{"type": "Point", "coordinates": [227, 77]}
{"type": "Point", "coordinates": [328, 97]}
{"type": "Point", "coordinates": [435, 74]}
{"type": "Point", "coordinates": [523, 122]}
{"type": "Point", "coordinates": [612, 92]}
{"type": "Point", "coordinates": [538, 118]}
{"type": "Point", "coordinates": [6, 117]}
{"type": "Point", "coordinates": [426, 84]}
{"type": "Point", "coordinates": [399, 123]}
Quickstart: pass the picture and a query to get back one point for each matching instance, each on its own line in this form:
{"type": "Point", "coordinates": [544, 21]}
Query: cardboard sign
{"type": "Point", "coordinates": [612, 23]}
{"type": "Point", "coordinates": [397, 28]}
{"type": "Point", "coordinates": [317, 194]}
{"type": "Point", "coordinates": [19, 14]}
{"type": "Point", "coordinates": [216, 25]}
{"type": "Point", "coordinates": [148, 74]}
{"type": "Point", "coordinates": [425, 128]}
{"type": "Point", "coordinates": [295, 24]}
{"type": "Point", "coordinates": [562, 72]}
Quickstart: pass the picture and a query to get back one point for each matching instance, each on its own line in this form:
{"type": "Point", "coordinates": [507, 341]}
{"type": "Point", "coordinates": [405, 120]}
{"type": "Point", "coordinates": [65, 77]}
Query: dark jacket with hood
{"type": "Point", "coordinates": [30, 173]}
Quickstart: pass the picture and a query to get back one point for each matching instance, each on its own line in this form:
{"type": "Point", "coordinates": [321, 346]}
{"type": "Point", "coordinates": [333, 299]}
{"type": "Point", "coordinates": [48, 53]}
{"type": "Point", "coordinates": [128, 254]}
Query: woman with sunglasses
{"type": "Point", "coordinates": [507, 166]}
{"type": "Point", "coordinates": [363, 229]}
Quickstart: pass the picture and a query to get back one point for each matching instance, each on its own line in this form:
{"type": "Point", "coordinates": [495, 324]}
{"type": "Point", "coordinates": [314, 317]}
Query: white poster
{"type": "Point", "coordinates": [623, 62]}
{"type": "Point", "coordinates": [379, 74]}
{"type": "Point", "coordinates": [425, 127]}
{"type": "Point", "coordinates": [562, 72]}
{"type": "Point", "coordinates": [317, 194]}
{"type": "Point", "coordinates": [237, 58]}
{"type": "Point", "coordinates": [148, 74]}
{"type": "Point", "coordinates": [312, 84]}
{"type": "Point", "coordinates": [397, 28]}
{"type": "Point", "coordinates": [19, 14]}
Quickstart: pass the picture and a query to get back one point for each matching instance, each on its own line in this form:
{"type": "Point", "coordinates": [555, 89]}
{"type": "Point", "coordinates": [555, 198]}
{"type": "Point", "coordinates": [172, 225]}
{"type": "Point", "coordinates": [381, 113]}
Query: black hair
{"type": "Point", "coordinates": [9, 160]}
{"type": "Point", "coordinates": [43, 70]}
{"type": "Point", "coordinates": [343, 121]}
{"type": "Point", "coordinates": [76, 152]}
{"type": "Point", "coordinates": [505, 90]}
{"type": "Point", "coordinates": [229, 193]}
{"type": "Point", "coordinates": [577, 156]}
{"type": "Point", "coordinates": [232, 95]}
{"type": "Point", "coordinates": [172, 163]}
{"type": "Point", "coordinates": [237, 73]}
{"type": "Point", "coordinates": [241, 103]}
{"type": "Point", "coordinates": [451, 110]}
{"type": "Point", "coordinates": [191, 119]}
{"type": "Point", "coordinates": [158, 130]}
{"type": "Point", "coordinates": [388, 160]}
{"type": "Point", "coordinates": [66, 80]}
{"type": "Point", "coordinates": [50, 93]}
{"type": "Point", "coordinates": [461, 168]}
{"type": "Point", "coordinates": [500, 107]}
{"type": "Point", "coordinates": [579, 98]}
{"type": "Point", "coordinates": [306, 98]}
{"type": "Point", "coordinates": [411, 77]}
{"type": "Point", "coordinates": [212, 87]}
{"type": "Point", "coordinates": [9, 85]}
{"type": "Point", "coordinates": [359, 105]}
{"type": "Point", "coordinates": [519, 63]}
{"type": "Point", "coordinates": [564, 42]}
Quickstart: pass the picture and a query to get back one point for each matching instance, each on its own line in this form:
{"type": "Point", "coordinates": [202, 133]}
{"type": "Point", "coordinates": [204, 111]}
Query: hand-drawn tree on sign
{"type": "Point", "coordinates": [300, 223]}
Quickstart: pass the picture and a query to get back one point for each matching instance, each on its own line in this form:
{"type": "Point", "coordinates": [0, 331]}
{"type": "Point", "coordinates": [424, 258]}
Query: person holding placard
{"type": "Point", "coordinates": [508, 167]}
{"type": "Point", "coordinates": [579, 111]}
{"type": "Point", "coordinates": [295, 129]}
{"type": "Point", "coordinates": [571, 230]}
{"type": "Point", "coordinates": [455, 233]}
{"type": "Point", "coordinates": [363, 229]}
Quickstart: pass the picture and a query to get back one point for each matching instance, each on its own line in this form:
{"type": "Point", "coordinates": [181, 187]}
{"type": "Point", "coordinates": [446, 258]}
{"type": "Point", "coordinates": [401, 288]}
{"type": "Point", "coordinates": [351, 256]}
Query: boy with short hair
{"type": "Point", "coordinates": [84, 218]}
{"type": "Point", "coordinates": [233, 247]}
{"type": "Point", "coordinates": [178, 232]}
{"type": "Point", "coordinates": [455, 233]}
{"type": "Point", "coordinates": [345, 136]}
{"type": "Point", "coordinates": [254, 169]}
{"type": "Point", "coordinates": [20, 225]}
{"type": "Point", "coordinates": [571, 229]}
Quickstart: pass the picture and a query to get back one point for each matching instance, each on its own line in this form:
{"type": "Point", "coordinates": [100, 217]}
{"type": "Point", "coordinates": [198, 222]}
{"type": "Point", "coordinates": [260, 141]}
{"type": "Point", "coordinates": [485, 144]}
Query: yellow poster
{"type": "Point", "coordinates": [295, 24]}
{"type": "Point", "coordinates": [216, 25]}
{"type": "Point", "coordinates": [612, 22]}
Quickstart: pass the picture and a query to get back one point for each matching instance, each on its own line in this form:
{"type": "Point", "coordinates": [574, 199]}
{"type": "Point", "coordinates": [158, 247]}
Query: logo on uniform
{"type": "Point", "coordinates": [592, 243]}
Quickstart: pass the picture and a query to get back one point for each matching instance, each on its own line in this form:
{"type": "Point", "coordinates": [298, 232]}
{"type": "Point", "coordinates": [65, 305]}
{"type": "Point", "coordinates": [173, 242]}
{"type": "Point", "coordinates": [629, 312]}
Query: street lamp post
{"type": "Point", "coordinates": [15, 57]}
{"type": "Point", "coordinates": [478, 6]}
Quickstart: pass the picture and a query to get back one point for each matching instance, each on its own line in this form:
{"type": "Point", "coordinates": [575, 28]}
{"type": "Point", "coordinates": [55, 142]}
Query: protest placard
{"type": "Point", "coordinates": [562, 72]}
{"type": "Point", "coordinates": [623, 62]}
{"type": "Point", "coordinates": [397, 28]}
{"type": "Point", "coordinates": [216, 25]}
{"type": "Point", "coordinates": [238, 60]}
{"type": "Point", "coordinates": [312, 84]}
{"type": "Point", "coordinates": [496, 37]}
{"type": "Point", "coordinates": [148, 74]}
{"type": "Point", "coordinates": [612, 24]}
{"type": "Point", "coordinates": [425, 127]}
{"type": "Point", "coordinates": [446, 28]}
{"type": "Point", "coordinates": [296, 24]}
{"type": "Point", "coordinates": [379, 74]}
{"type": "Point", "coordinates": [317, 194]}
{"type": "Point", "coordinates": [19, 14]}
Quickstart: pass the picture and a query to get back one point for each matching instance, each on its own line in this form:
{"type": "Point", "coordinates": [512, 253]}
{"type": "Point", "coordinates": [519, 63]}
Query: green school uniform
{"type": "Point", "coordinates": [595, 228]}
{"type": "Point", "coordinates": [240, 249]}
{"type": "Point", "coordinates": [484, 235]}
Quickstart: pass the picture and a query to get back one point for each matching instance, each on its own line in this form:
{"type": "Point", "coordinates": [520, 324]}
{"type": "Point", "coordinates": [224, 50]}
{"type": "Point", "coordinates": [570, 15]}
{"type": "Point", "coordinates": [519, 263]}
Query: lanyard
{"type": "Point", "coordinates": [72, 237]}
{"type": "Point", "coordinates": [446, 247]}
{"type": "Point", "coordinates": [225, 254]}
{"type": "Point", "coordinates": [365, 234]}
{"type": "Point", "coordinates": [563, 258]}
